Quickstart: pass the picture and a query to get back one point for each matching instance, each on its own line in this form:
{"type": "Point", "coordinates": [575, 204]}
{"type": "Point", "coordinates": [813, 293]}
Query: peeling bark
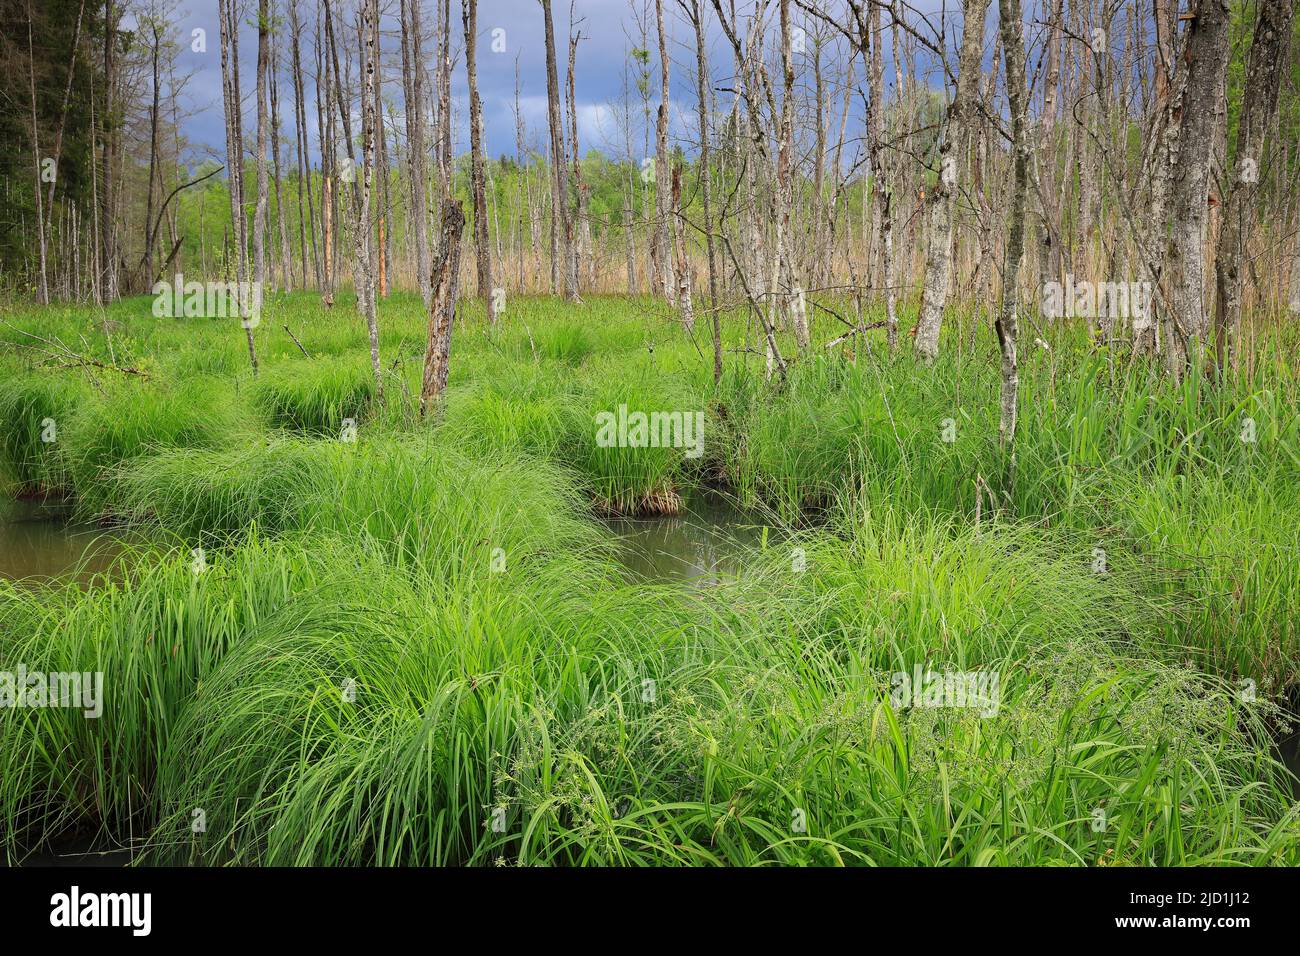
{"type": "Point", "coordinates": [939, 253]}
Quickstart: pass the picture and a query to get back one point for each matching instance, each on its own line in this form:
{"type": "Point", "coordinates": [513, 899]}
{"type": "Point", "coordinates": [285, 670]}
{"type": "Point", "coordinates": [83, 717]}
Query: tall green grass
{"type": "Point", "coordinates": [398, 642]}
{"type": "Point", "coordinates": [33, 410]}
{"type": "Point", "coordinates": [314, 397]}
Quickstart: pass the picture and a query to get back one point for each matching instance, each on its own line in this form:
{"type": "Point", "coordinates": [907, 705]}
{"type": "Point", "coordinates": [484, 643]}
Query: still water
{"type": "Point", "coordinates": [704, 545]}
{"type": "Point", "coordinates": [38, 542]}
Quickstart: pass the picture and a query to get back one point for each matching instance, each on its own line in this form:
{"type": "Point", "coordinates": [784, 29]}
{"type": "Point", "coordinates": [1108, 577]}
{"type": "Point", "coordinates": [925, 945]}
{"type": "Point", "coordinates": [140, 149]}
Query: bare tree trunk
{"type": "Point", "coordinates": [527, 207]}
{"type": "Point", "coordinates": [43, 289]}
{"type": "Point", "coordinates": [108, 195]}
{"type": "Point", "coordinates": [365, 269]}
{"type": "Point", "coordinates": [286, 266]}
{"type": "Point", "coordinates": [259, 210]}
{"type": "Point", "coordinates": [783, 275]}
{"type": "Point", "coordinates": [1007, 323]}
{"type": "Point", "coordinates": [882, 189]}
{"type": "Point", "coordinates": [307, 222]}
{"type": "Point", "coordinates": [1188, 325]}
{"type": "Point", "coordinates": [659, 252]}
{"type": "Point", "coordinates": [938, 258]}
{"type": "Point", "coordinates": [559, 179]}
{"type": "Point", "coordinates": [146, 272]}
{"type": "Point", "coordinates": [444, 100]}
{"type": "Point", "coordinates": [1263, 81]}
{"type": "Point", "coordinates": [683, 271]}
{"type": "Point", "coordinates": [1087, 91]}
{"type": "Point", "coordinates": [413, 80]}
{"type": "Point", "coordinates": [234, 162]}
{"type": "Point", "coordinates": [1162, 154]}
{"type": "Point", "coordinates": [580, 247]}
{"type": "Point", "coordinates": [819, 232]}
{"type": "Point", "coordinates": [445, 280]}
{"type": "Point", "coordinates": [629, 240]}
{"type": "Point", "coordinates": [1049, 215]}
{"type": "Point", "coordinates": [1164, 11]}
{"type": "Point", "coordinates": [325, 135]}
{"type": "Point", "coordinates": [868, 37]}
{"type": "Point", "coordinates": [705, 174]}
{"type": "Point", "coordinates": [63, 111]}
{"type": "Point", "coordinates": [483, 253]}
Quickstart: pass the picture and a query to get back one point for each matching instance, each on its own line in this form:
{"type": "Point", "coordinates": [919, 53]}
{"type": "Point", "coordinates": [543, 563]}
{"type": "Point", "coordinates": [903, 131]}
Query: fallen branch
{"type": "Point", "coordinates": [295, 340]}
{"type": "Point", "coordinates": [60, 356]}
{"type": "Point", "coordinates": [854, 331]}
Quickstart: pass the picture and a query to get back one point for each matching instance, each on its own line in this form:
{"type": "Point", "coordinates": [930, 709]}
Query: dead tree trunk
{"type": "Point", "coordinates": [306, 217]}
{"type": "Point", "coordinates": [580, 247]}
{"type": "Point", "coordinates": [413, 81]}
{"type": "Point", "coordinates": [108, 159]}
{"type": "Point", "coordinates": [234, 160]}
{"type": "Point", "coordinates": [684, 306]}
{"type": "Point", "coordinates": [659, 251]}
{"type": "Point", "coordinates": [259, 210]}
{"type": "Point", "coordinates": [63, 111]}
{"type": "Point", "coordinates": [364, 271]}
{"type": "Point", "coordinates": [43, 289]}
{"type": "Point", "coordinates": [146, 273]}
{"type": "Point", "coordinates": [445, 280]}
{"type": "Point", "coordinates": [938, 254]}
{"type": "Point", "coordinates": [704, 171]}
{"type": "Point", "coordinates": [1049, 216]}
{"type": "Point", "coordinates": [1007, 323]}
{"type": "Point", "coordinates": [1202, 106]}
{"type": "Point", "coordinates": [483, 254]}
{"type": "Point", "coordinates": [1263, 80]}
{"type": "Point", "coordinates": [783, 273]}
{"type": "Point", "coordinates": [562, 228]}
{"type": "Point", "coordinates": [286, 265]}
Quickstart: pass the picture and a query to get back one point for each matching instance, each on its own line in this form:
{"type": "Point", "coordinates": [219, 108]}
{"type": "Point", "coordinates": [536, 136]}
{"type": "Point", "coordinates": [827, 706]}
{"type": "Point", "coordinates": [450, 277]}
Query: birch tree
{"type": "Point", "coordinates": [1007, 322]}
{"type": "Point", "coordinates": [939, 254]}
{"type": "Point", "coordinates": [413, 90]}
{"type": "Point", "coordinates": [483, 254]}
{"type": "Point", "coordinates": [695, 11]}
{"type": "Point", "coordinates": [364, 271]}
{"type": "Point", "coordinates": [259, 210]}
{"type": "Point", "coordinates": [229, 28]}
{"type": "Point", "coordinates": [663, 200]}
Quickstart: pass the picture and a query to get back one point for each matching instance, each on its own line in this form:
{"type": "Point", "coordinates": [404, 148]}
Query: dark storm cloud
{"type": "Point", "coordinates": [609, 30]}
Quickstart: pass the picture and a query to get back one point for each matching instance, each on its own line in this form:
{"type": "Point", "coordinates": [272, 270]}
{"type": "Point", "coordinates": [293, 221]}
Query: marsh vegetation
{"type": "Point", "coordinates": [420, 646]}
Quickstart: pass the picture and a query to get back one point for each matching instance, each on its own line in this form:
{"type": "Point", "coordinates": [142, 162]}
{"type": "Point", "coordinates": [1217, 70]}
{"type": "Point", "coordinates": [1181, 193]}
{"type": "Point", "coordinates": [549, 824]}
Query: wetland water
{"type": "Point", "coordinates": [702, 546]}
{"type": "Point", "coordinates": [38, 541]}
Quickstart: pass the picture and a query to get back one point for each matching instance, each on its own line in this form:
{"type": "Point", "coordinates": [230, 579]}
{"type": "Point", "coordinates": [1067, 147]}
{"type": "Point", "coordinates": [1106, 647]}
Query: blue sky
{"type": "Point", "coordinates": [608, 28]}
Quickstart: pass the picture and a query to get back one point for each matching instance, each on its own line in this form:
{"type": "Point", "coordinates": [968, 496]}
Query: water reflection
{"type": "Point", "coordinates": [38, 541]}
{"type": "Point", "coordinates": [704, 545]}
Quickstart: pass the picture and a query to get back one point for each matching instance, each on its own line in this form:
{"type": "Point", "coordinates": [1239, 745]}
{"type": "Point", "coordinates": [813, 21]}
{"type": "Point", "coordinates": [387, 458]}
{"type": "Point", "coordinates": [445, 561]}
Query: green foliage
{"type": "Point", "coordinates": [315, 396]}
{"type": "Point", "coordinates": [398, 640]}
